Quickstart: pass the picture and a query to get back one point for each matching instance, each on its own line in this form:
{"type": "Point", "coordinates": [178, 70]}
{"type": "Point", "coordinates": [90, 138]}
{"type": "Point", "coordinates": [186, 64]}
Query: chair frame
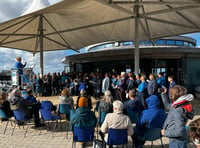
{"type": "Point", "coordinates": [148, 136]}
{"type": "Point", "coordinates": [117, 133]}
{"type": "Point", "coordinates": [44, 120]}
{"type": "Point", "coordinates": [4, 116]}
{"type": "Point", "coordinates": [25, 120]}
{"type": "Point", "coordinates": [83, 131]}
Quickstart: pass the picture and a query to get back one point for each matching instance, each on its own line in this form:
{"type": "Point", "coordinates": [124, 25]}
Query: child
{"type": "Point", "coordinates": [180, 112]}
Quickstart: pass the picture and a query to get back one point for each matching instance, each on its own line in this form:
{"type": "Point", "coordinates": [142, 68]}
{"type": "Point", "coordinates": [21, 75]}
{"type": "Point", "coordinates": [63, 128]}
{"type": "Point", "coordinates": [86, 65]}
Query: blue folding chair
{"type": "Point", "coordinates": [4, 116]}
{"type": "Point", "coordinates": [21, 119]}
{"type": "Point", "coordinates": [153, 134]}
{"type": "Point", "coordinates": [117, 137]}
{"type": "Point", "coordinates": [46, 114]}
{"type": "Point", "coordinates": [65, 109]}
{"type": "Point", "coordinates": [82, 134]}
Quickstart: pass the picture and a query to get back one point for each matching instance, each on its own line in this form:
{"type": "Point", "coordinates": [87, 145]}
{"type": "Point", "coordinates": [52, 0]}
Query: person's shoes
{"type": "Point", "coordinates": [40, 125]}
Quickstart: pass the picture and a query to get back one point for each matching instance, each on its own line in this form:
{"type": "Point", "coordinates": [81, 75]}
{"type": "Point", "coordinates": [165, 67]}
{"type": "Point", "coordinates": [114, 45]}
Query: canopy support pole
{"type": "Point", "coordinates": [41, 34]}
{"type": "Point", "coordinates": [137, 52]}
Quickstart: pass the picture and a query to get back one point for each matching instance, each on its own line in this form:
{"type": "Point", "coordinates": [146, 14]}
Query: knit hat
{"type": "Point", "coordinates": [83, 102]}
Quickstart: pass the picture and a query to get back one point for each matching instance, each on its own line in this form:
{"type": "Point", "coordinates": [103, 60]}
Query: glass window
{"type": "Point", "coordinates": [170, 42]}
{"type": "Point", "coordinates": [145, 43]}
{"type": "Point", "coordinates": [108, 45]}
{"type": "Point", "coordinates": [191, 45]}
{"type": "Point", "coordinates": [186, 44]}
{"type": "Point", "coordinates": [127, 43]}
{"type": "Point", "coordinates": [179, 43]}
{"type": "Point", "coordinates": [160, 42]}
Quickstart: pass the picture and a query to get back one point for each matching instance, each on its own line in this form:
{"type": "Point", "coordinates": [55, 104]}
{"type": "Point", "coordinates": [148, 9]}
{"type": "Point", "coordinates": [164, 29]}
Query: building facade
{"type": "Point", "coordinates": [177, 56]}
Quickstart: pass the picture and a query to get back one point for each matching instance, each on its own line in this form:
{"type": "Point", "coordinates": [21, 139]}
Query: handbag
{"type": "Point", "coordinates": [99, 144]}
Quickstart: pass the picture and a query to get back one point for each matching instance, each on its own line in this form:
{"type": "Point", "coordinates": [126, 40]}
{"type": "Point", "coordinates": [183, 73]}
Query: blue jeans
{"type": "Point", "coordinates": [178, 144]}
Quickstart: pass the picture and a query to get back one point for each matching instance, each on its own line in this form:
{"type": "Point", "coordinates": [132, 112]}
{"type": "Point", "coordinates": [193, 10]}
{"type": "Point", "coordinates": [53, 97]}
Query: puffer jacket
{"type": "Point", "coordinates": [180, 112]}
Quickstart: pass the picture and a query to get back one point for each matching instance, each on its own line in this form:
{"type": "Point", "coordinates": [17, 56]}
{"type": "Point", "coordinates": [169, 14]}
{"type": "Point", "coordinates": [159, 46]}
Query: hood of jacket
{"type": "Point", "coordinates": [153, 102]}
{"type": "Point", "coordinates": [184, 102]}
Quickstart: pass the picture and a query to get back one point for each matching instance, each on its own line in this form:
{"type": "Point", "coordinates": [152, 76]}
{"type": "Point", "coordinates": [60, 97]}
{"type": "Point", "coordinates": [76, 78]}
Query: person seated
{"type": "Point", "coordinates": [5, 105]}
{"type": "Point", "coordinates": [132, 105]}
{"type": "Point", "coordinates": [152, 117]}
{"type": "Point", "coordinates": [116, 120]}
{"type": "Point", "coordinates": [194, 132]}
{"type": "Point", "coordinates": [83, 94]}
{"type": "Point", "coordinates": [30, 96]}
{"type": "Point", "coordinates": [105, 105]}
{"type": "Point", "coordinates": [65, 98]}
{"type": "Point", "coordinates": [17, 102]}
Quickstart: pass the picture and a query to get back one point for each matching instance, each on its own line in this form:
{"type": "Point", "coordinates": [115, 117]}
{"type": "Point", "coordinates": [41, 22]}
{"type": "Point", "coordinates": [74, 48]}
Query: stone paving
{"type": "Point", "coordinates": [36, 138]}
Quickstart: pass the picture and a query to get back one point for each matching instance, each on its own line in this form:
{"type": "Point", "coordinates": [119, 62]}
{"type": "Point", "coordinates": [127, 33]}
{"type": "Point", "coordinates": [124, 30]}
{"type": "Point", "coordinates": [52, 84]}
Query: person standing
{"type": "Point", "coordinates": [180, 111]}
{"type": "Point", "coordinates": [19, 66]}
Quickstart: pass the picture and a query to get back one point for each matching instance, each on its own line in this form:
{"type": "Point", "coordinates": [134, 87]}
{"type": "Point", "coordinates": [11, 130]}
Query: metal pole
{"type": "Point", "coordinates": [137, 52]}
{"type": "Point", "coordinates": [41, 45]}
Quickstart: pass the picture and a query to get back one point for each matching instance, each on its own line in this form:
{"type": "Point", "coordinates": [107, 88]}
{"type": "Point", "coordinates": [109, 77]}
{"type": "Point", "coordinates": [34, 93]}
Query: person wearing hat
{"type": "Point", "coordinates": [83, 94]}
{"type": "Point", "coordinates": [83, 116]}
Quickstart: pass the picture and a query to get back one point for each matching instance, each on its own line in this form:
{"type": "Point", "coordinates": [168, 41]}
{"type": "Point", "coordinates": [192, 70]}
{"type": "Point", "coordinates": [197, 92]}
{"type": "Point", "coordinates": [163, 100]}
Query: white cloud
{"type": "Point", "coordinates": [52, 60]}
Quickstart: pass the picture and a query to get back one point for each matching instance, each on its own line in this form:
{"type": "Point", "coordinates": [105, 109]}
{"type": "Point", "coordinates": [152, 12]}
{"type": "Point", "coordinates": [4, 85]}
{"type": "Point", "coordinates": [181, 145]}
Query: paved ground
{"type": "Point", "coordinates": [36, 138]}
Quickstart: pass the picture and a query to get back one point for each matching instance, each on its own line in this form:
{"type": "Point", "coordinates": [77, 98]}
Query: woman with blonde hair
{"type": "Point", "coordinates": [105, 106]}
{"type": "Point", "coordinates": [65, 98]}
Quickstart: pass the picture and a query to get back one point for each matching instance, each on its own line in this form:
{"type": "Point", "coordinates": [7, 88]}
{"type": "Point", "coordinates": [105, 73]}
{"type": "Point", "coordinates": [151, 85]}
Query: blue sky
{"type": "Point", "coordinates": [52, 60]}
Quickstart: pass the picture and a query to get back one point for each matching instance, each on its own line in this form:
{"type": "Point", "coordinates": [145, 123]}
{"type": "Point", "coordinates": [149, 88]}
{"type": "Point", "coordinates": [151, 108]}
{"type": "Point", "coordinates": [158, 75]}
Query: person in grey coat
{"type": "Point", "coordinates": [152, 87]}
{"type": "Point", "coordinates": [180, 111]}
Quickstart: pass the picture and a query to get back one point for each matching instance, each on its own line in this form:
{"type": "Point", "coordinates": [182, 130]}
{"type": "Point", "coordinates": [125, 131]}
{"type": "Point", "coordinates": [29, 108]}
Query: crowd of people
{"type": "Point", "coordinates": [157, 102]}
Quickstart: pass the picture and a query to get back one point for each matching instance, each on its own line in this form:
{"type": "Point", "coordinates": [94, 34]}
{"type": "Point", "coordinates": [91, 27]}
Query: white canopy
{"type": "Point", "coordinates": [73, 24]}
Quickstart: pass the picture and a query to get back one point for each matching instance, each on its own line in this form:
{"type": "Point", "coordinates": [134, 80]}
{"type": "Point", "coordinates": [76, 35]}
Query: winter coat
{"type": "Point", "coordinates": [180, 112]}
{"type": "Point", "coordinates": [152, 117]}
{"type": "Point", "coordinates": [117, 120]}
{"type": "Point", "coordinates": [83, 117]}
{"type": "Point", "coordinates": [152, 87]}
{"type": "Point", "coordinates": [132, 106]}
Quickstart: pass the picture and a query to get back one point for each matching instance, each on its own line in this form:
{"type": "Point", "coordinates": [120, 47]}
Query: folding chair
{"type": "Point", "coordinates": [20, 117]}
{"type": "Point", "coordinates": [117, 137]}
{"type": "Point", "coordinates": [47, 116]}
{"type": "Point", "coordinates": [4, 116]}
{"type": "Point", "coordinates": [65, 109]}
{"type": "Point", "coordinates": [153, 134]}
{"type": "Point", "coordinates": [82, 134]}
